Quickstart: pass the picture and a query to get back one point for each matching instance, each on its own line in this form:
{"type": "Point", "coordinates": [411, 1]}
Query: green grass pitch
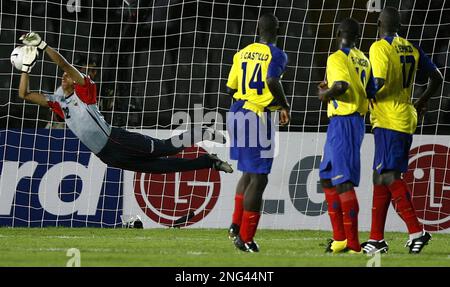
{"type": "Point", "coordinates": [197, 247]}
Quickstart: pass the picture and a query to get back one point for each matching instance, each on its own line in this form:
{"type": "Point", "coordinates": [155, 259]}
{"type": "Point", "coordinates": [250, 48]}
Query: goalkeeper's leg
{"type": "Point", "coordinates": [166, 165]}
{"type": "Point", "coordinates": [118, 158]}
{"type": "Point", "coordinates": [141, 153]}
{"type": "Point", "coordinates": [137, 144]}
{"type": "Point", "coordinates": [146, 146]}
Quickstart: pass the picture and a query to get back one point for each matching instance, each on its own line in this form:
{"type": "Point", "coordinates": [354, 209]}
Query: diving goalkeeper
{"type": "Point", "coordinates": [114, 146]}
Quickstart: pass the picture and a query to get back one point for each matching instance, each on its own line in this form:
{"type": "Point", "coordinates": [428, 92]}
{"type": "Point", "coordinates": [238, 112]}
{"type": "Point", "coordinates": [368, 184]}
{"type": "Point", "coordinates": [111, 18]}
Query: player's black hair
{"type": "Point", "coordinates": [349, 29]}
{"type": "Point", "coordinates": [389, 19]}
{"type": "Point", "coordinates": [268, 25]}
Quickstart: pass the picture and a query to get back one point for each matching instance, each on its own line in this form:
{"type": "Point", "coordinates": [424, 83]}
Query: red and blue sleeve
{"type": "Point", "coordinates": [426, 66]}
{"type": "Point", "coordinates": [277, 64]}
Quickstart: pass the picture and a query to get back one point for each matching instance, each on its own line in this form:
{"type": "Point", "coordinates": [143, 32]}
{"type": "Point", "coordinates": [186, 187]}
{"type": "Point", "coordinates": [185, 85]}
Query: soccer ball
{"type": "Point", "coordinates": [16, 57]}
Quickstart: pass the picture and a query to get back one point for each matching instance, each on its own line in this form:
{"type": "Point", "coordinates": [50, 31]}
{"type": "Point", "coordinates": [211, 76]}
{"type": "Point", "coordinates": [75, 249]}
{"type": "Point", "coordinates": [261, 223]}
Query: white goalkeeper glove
{"type": "Point", "coordinates": [33, 39]}
{"type": "Point", "coordinates": [29, 56]}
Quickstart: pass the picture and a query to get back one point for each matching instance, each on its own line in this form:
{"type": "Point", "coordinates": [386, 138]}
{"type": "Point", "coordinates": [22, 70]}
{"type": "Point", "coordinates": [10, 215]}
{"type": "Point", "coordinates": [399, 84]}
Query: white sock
{"type": "Point", "coordinates": [416, 235]}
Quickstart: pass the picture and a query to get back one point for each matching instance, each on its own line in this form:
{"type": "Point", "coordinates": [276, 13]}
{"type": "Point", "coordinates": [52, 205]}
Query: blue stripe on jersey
{"type": "Point", "coordinates": [278, 62]}
{"type": "Point", "coordinates": [371, 88]}
{"type": "Point", "coordinates": [426, 66]}
{"type": "Point", "coordinates": [389, 39]}
{"type": "Point", "coordinates": [346, 51]}
{"type": "Point", "coordinates": [335, 104]}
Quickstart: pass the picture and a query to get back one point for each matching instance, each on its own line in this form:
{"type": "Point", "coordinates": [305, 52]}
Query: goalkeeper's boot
{"type": "Point", "coordinates": [374, 246]}
{"type": "Point", "coordinates": [251, 246]}
{"type": "Point", "coordinates": [213, 135]}
{"type": "Point", "coordinates": [233, 231]}
{"type": "Point", "coordinates": [335, 246]}
{"type": "Point", "coordinates": [220, 164]}
{"type": "Point", "coordinates": [416, 245]}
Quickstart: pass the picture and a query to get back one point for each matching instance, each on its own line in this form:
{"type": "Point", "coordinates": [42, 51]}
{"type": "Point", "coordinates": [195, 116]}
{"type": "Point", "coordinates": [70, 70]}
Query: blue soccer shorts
{"type": "Point", "coordinates": [251, 139]}
{"type": "Point", "coordinates": [391, 150]}
{"type": "Point", "coordinates": [341, 160]}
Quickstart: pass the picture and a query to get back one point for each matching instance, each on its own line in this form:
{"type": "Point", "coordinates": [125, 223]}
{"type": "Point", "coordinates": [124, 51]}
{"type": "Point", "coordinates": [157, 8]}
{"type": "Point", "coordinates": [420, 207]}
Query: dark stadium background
{"type": "Point", "coordinates": [196, 40]}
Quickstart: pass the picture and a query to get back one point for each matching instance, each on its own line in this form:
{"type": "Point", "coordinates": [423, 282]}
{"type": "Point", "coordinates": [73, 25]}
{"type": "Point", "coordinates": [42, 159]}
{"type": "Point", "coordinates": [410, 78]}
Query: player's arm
{"type": "Point", "coordinates": [64, 65]}
{"type": "Point", "coordinates": [277, 66]}
{"type": "Point", "coordinates": [231, 91]}
{"type": "Point", "coordinates": [338, 88]}
{"type": "Point", "coordinates": [337, 72]}
{"type": "Point", "coordinates": [33, 39]}
{"type": "Point", "coordinates": [435, 81]}
{"type": "Point", "coordinates": [29, 58]}
{"type": "Point", "coordinates": [275, 87]}
{"type": "Point", "coordinates": [32, 97]}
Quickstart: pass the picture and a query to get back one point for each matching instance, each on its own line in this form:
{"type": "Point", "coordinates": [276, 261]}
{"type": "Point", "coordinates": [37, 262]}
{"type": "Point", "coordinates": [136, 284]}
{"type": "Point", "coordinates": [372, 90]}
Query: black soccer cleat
{"type": "Point", "coordinates": [416, 245]}
{"type": "Point", "coordinates": [213, 135]}
{"type": "Point", "coordinates": [251, 247]}
{"type": "Point", "coordinates": [328, 248]}
{"type": "Point", "coordinates": [220, 165]}
{"type": "Point", "coordinates": [233, 231]}
{"type": "Point", "coordinates": [373, 247]}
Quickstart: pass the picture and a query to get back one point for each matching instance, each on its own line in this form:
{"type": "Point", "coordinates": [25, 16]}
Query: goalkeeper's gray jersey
{"type": "Point", "coordinates": [84, 120]}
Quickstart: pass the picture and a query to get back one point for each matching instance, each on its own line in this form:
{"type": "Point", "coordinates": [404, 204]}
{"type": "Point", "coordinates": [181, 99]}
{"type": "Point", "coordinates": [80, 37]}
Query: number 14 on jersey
{"type": "Point", "coordinates": [255, 82]}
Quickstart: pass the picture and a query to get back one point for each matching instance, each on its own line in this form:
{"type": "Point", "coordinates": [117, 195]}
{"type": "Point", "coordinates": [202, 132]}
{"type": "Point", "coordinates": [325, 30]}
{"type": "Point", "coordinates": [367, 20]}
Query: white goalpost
{"type": "Point", "coordinates": [159, 65]}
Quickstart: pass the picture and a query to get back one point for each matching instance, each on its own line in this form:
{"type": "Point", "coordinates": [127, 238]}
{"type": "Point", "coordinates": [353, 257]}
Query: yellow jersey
{"type": "Point", "coordinates": [251, 67]}
{"type": "Point", "coordinates": [351, 66]}
{"type": "Point", "coordinates": [396, 60]}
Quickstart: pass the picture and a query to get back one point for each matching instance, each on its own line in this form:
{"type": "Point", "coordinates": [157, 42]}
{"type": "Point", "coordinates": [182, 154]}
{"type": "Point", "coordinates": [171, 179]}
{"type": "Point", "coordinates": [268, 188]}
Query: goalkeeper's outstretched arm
{"type": "Point", "coordinates": [31, 97]}
{"type": "Point", "coordinates": [33, 39]}
{"type": "Point", "coordinates": [59, 60]}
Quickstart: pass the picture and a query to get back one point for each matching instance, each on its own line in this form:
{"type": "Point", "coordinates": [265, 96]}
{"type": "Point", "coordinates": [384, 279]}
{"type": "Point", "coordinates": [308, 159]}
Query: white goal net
{"type": "Point", "coordinates": [158, 61]}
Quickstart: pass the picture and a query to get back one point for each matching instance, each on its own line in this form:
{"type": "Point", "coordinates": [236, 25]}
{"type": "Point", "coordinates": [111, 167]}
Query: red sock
{"type": "Point", "coordinates": [238, 208]}
{"type": "Point", "coordinates": [350, 209]}
{"type": "Point", "coordinates": [249, 224]}
{"type": "Point", "coordinates": [401, 199]}
{"type": "Point", "coordinates": [335, 213]}
{"type": "Point", "coordinates": [380, 205]}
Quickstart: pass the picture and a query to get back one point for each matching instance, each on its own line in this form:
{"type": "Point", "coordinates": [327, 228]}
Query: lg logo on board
{"type": "Point", "coordinates": [168, 198]}
{"type": "Point", "coordinates": [428, 178]}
